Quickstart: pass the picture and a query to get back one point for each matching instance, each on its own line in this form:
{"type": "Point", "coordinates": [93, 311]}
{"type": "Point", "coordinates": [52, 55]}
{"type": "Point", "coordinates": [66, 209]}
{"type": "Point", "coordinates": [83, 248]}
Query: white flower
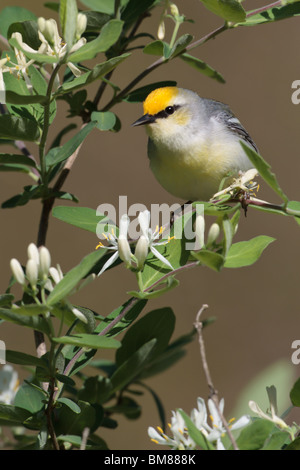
{"type": "Point", "coordinates": [52, 44]}
{"type": "Point", "coordinates": [118, 244]}
{"type": "Point", "coordinates": [150, 237]}
{"type": "Point", "coordinates": [3, 69]}
{"type": "Point", "coordinates": [181, 439]}
{"type": "Point", "coordinates": [244, 182]}
{"type": "Point", "coordinates": [9, 384]}
{"type": "Point", "coordinates": [218, 430]}
{"type": "Point", "coordinates": [273, 416]}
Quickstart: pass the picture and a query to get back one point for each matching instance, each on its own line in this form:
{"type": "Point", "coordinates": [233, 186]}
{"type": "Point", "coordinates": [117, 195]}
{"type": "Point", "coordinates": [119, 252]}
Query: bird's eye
{"type": "Point", "coordinates": [170, 109]}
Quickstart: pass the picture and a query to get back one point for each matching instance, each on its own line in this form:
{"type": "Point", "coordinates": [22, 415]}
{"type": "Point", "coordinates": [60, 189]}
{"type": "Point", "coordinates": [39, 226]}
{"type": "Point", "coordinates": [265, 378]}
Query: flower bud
{"type": "Point", "coordinates": [41, 24]}
{"type": "Point", "coordinates": [81, 25]}
{"type": "Point", "coordinates": [45, 262]}
{"type": "Point", "coordinates": [32, 272]}
{"type": "Point", "coordinates": [161, 30]}
{"type": "Point", "coordinates": [33, 253]}
{"type": "Point", "coordinates": [174, 10]}
{"type": "Point", "coordinates": [55, 274]}
{"type": "Point", "coordinates": [141, 251]}
{"type": "Point", "coordinates": [17, 271]}
{"type": "Point", "coordinates": [199, 231]}
{"type": "Point", "coordinates": [124, 250]}
{"type": "Point", "coordinates": [213, 233]}
{"type": "Point", "coordinates": [79, 315]}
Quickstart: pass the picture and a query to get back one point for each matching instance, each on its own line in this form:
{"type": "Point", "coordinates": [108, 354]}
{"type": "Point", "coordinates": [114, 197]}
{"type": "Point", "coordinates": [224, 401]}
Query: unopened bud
{"type": "Point", "coordinates": [141, 251]}
{"type": "Point", "coordinates": [79, 315]}
{"type": "Point", "coordinates": [45, 262]}
{"type": "Point", "coordinates": [199, 230]}
{"type": "Point", "coordinates": [33, 253]}
{"type": "Point", "coordinates": [161, 30]}
{"type": "Point", "coordinates": [17, 271]}
{"type": "Point", "coordinates": [213, 233]}
{"type": "Point", "coordinates": [174, 10]}
{"type": "Point", "coordinates": [32, 272]}
{"type": "Point", "coordinates": [56, 276]}
{"type": "Point", "coordinates": [124, 250]}
{"type": "Point", "coordinates": [81, 25]}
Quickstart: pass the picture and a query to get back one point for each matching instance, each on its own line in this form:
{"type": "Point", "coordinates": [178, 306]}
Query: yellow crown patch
{"type": "Point", "coordinates": [159, 99]}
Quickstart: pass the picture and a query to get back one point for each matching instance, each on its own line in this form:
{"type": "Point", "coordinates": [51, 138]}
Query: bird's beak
{"type": "Point", "coordinates": [146, 119]}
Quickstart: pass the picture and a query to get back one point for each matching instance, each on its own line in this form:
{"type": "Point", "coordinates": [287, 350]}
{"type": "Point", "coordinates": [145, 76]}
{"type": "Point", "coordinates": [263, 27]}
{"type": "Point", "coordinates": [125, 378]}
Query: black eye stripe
{"type": "Point", "coordinates": [166, 112]}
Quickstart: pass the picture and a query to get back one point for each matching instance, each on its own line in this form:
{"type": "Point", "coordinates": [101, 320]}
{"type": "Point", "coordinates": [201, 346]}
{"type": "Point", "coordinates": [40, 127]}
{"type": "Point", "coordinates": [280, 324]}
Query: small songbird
{"type": "Point", "coordinates": [194, 143]}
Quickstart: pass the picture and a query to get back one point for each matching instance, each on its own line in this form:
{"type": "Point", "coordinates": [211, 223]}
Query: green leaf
{"type": "Point", "coordinates": [210, 259]}
{"type": "Point", "coordinates": [13, 14]}
{"type": "Point", "coordinates": [68, 20]}
{"type": "Point", "coordinates": [16, 159]}
{"type": "Point", "coordinates": [95, 20]}
{"type": "Point", "coordinates": [247, 252]}
{"type": "Point", "coordinates": [97, 72]}
{"type": "Point", "coordinates": [30, 309]}
{"type": "Point", "coordinates": [131, 368]}
{"type": "Point", "coordinates": [295, 445]}
{"type": "Point", "coordinates": [133, 308]}
{"type": "Point", "coordinates": [30, 192]}
{"type": "Point", "coordinates": [37, 323]}
{"type": "Point", "coordinates": [277, 13]}
{"type": "Point", "coordinates": [71, 279]}
{"type": "Point", "coordinates": [104, 6]}
{"type": "Point", "coordinates": [158, 324]}
{"type": "Point", "coordinates": [15, 98]}
{"type": "Point", "coordinates": [295, 393]}
{"type": "Point", "coordinates": [195, 433]}
{"type": "Point", "coordinates": [140, 94]}
{"type": "Point", "coordinates": [29, 32]}
{"type": "Point", "coordinates": [276, 441]}
{"type": "Point", "coordinates": [85, 218]}
{"type": "Point", "coordinates": [105, 120]}
{"type": "Point", "coordinates": [69, 147]}
{"type": "Point", "coordinates": [70, 404]}
{"type": "Point", "coordinates": [16, 357]}
{"type": "Point", "coordinates": [29, 398]}
{"type": "Point", "coordinates": [156, 47]}
{"type": "Point", "coordinates": [134, 9]}
{"type": "Point", "coordinates": [179, 46]}
{"type": "Point", "coordinates": [6, 300]}
{"type": "Point", "coordinates": [13, 415]}
{"type": "Point", "coordinates": [254, 435]}
{"type": "Point", "coordinates": [109, 35]}
{"type": "Point", "coordinates": [293, 208]}
{"type": "Point", "coordinates": [86, 340]}
{"type": "Point", "coordinates": [68, 422]}
{"type": "Point", "coordinates": [17, 128]}
{"type": "Point", "coordinates": [229, 10]}
{"type": "Point", "coordinates": [202, 67]}
{"type": "Point", "coordinates": [264, 170]}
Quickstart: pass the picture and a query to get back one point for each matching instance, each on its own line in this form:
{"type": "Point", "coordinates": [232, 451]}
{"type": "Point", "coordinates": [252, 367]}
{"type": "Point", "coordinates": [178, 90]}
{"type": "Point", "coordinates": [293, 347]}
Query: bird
{"type": "Point", "coordinates": [193, 142]}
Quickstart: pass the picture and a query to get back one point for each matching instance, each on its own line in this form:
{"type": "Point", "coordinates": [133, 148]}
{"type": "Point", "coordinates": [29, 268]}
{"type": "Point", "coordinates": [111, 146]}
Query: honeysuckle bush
{"type": "Point", "coordinates": [45, 61]}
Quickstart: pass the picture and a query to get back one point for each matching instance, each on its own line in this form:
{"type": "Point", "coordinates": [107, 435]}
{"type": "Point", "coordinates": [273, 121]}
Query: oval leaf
{"type": "Point", "coordinates": [247, 252]}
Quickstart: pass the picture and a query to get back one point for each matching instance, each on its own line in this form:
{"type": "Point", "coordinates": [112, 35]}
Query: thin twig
{"type": "Point", "coordinates": [213, 394]}
{"type": "Point", "coordinates": [48, 411]}
{"type": "Point", "coordinates": [85, 435]}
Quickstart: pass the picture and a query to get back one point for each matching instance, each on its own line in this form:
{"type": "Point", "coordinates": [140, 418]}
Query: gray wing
{"type": "Point", "coordinates": [222, 113]}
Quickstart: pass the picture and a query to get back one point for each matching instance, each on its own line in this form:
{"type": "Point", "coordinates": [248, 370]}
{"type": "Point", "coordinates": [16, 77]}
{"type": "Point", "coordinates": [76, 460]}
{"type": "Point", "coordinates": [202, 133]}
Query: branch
{"type": "Point", "coordinates": [213, 394]}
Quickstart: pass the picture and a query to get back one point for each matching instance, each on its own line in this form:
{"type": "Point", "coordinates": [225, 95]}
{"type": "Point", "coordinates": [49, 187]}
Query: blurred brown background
{"type": "Point", "coordinates": [257, 308]}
